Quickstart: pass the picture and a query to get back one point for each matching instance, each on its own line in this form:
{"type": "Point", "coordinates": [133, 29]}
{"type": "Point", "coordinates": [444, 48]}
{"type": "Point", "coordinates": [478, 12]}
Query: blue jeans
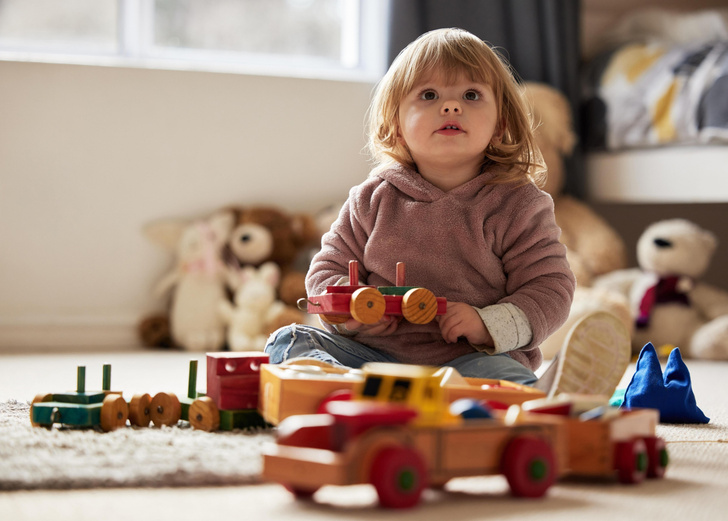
{"type": "Point", "coordinates": [297, 341]}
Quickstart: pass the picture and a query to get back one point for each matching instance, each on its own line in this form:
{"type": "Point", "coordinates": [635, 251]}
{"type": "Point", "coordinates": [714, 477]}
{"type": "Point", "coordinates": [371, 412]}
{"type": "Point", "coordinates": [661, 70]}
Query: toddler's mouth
{"type": "Point", "coordinates": [450, 128]}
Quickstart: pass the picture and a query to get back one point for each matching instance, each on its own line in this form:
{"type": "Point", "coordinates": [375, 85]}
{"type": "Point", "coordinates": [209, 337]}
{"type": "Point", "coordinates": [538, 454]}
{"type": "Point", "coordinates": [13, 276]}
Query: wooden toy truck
{"type": "Point", "coordinates": [399, 435]}
{"type": "Point", "coordinates": [304, 386]}
{"type": "Point", "coordinates": [368, 304]}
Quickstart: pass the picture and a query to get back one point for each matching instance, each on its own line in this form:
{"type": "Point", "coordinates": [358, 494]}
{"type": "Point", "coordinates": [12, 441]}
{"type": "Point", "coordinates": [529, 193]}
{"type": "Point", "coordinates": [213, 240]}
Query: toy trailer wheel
{"type": "Point", "coordinates": [399, 476]}
{"type": "Point", "coordinates": [529, 466]}
{"type": "Point", "coordinates": [165, 409]}
{"type": "Point", "coordinates": [419, 306]}
{"type": "Point", "coordinates": [367, 305]}
{"type": "Point", "coordinates": [46, 397]}
{"type": "Point", "coordinates": [114, 412]}
{"type": "Point", "coordinates": [140, 408]}
{"type": "Point", "coordinates": [630, 461]}
{"type": "Point", "coordinates": [300, 492]}
{"type": "Point", "coordinates": [204, 414]}
{"type": "Point", "coordinates": [657, 457]}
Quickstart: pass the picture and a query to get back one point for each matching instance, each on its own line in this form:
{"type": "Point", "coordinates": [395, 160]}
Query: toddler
{"type": "Point", "coordinates": [454, 196]}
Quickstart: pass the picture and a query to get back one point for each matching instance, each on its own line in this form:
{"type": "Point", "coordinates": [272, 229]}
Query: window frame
{"type": "Point", "coordinates": [135, 49]}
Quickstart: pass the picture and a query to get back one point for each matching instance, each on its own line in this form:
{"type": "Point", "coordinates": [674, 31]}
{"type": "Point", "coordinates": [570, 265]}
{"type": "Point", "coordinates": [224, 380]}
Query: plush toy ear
{"type": "Point", "coordinates": [222, 224]}
{"type": "Point", "coordinates": [165, 233]}
{"type": "Point", "coordinates": [305, 229]}
{"type": "Point", "coordinates": [270, 273]}
{"type": "Point", "coordinates": [709, 240]}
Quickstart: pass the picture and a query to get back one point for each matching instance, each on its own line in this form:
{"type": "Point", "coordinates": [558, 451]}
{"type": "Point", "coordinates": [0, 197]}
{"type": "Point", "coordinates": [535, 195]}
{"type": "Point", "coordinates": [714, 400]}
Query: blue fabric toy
{"type": "Point", "coordinates": [672, 394]}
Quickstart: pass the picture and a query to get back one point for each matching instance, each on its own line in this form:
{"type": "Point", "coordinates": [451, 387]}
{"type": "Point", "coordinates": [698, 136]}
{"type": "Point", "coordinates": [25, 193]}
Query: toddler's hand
{"type": "Point", "coordinates": [462, 320]}
{"type": "Point", "coordinates": [386, 326]}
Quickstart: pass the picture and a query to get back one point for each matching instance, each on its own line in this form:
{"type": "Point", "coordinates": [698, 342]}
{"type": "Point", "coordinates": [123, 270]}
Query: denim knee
{"type": "Point", "coordinates": [296, 341]}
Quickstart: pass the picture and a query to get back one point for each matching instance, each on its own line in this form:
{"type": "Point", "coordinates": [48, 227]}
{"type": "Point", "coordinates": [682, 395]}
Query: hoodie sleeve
{"type": "Point", "coordinates": [539, 280]}
{"type": "Point", "coordinates": [344, 242]}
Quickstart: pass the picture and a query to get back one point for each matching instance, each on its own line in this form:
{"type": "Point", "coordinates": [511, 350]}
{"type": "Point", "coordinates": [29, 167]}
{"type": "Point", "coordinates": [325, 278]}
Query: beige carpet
{"type": "Point", "coordinates": [696, 485]}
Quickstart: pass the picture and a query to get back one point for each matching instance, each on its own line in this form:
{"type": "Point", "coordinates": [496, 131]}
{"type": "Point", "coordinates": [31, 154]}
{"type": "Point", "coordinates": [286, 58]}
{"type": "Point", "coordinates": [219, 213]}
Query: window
{"type": "Point", "coordinates": [285, 37]}
{"type": "Point", "coordinates": [371, 386]}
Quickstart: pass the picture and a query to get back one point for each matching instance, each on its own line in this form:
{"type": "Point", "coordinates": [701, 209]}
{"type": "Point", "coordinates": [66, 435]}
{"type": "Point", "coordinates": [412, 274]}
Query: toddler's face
{"type": "Point", "coordinates": [447, 126]}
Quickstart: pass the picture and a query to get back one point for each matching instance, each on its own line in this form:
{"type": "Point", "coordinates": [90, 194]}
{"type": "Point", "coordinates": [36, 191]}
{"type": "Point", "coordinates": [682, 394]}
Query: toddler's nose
{"type": "Point", "coordinates": [451, 107]}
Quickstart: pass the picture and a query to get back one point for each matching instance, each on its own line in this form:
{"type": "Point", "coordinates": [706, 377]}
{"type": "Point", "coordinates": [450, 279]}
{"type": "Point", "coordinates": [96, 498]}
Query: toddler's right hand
{"type": "Point", "coordinates": [386, 326]}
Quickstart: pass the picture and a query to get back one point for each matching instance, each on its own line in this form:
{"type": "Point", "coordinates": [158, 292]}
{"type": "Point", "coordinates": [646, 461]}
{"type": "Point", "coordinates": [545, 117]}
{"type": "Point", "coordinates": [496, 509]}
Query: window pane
{"type": "Point", "coordinates": [290, 27]}
{"type": "Point", "coordinates": [55, 25]}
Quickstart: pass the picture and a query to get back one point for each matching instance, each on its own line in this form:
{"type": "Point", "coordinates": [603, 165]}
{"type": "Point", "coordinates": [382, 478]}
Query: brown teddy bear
{"type": "Point", "coordinates": [267, 234]}
{"type": "Point", "coordinates": [593, 247]}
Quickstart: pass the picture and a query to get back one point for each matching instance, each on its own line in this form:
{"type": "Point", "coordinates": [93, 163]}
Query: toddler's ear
{"type": "Point", "coordinates": [500, 129]}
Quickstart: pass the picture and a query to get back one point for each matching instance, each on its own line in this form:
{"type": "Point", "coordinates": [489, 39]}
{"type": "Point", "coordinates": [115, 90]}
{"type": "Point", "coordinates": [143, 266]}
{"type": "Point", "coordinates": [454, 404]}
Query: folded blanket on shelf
{"type": "Point", "coordinates": [646, 94]}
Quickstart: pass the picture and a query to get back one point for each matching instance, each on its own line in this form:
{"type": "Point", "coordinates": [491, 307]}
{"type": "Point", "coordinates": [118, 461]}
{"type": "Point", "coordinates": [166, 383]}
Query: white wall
{"type": "Point", "coordinates": [88, 155]}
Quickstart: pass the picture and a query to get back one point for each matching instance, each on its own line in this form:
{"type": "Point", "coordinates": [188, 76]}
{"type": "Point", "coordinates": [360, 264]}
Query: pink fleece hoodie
{"type": "Point", "coordinates": [480, 243]}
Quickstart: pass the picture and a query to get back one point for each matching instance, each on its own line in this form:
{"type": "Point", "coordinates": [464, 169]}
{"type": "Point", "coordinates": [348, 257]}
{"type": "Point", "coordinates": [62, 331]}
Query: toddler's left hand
{"type": "Point", "coordinates": [463, 320]}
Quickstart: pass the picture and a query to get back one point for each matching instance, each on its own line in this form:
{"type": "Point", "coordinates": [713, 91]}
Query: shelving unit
{"type": "Point", "coordinates": [662, 175]}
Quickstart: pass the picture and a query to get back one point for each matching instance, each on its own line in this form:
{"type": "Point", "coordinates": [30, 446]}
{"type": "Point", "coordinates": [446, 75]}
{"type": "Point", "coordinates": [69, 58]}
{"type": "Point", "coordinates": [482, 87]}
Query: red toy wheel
{"type": "Point", "coordinates": [367, 305]}
{"type": "Point", "coordinates": [630, 461]}
{"type": "Point", "coordinates": [657, 457]}
{"type": "Point", "coordinates": [399, 476]}
{"type": "Point", "coordinates": [301, 492]}
{"type": "Point", "coordinates": [419, 306]}
{"type": "Point", "coordinates": [529, 466]}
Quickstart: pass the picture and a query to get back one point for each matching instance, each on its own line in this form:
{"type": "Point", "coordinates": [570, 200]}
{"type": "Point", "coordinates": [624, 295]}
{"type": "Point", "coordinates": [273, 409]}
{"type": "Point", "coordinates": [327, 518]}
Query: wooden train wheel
{"type": "Point", "coordinates": [114, 412]}
{"type": "Point", "coordinates": [204, 414]}
{"type": "Point", "coordinates": [165, 409]}
{"type": "Point", "coordinates": [140, 408]}
{"type": "Point", "coordinates": [419, 306]}
{"type": "Point", "coordinates": [45, 397]}
{"type": "Point", "coordinates": [367, 305]}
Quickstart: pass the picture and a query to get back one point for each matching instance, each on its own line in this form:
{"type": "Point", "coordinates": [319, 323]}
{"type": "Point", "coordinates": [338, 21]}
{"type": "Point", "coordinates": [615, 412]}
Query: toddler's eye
{"type": "Point", "coordinates": [471, 95]}
{"type": "Point", "coordinates": [429, 95]}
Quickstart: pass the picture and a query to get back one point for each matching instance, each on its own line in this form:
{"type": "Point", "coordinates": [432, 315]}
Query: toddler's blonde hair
{"type": "Point", "coordinates": [454, 52]}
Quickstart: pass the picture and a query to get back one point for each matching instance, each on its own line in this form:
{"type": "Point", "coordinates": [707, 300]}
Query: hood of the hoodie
{"type": "Point", "coordinates": [412, 184]}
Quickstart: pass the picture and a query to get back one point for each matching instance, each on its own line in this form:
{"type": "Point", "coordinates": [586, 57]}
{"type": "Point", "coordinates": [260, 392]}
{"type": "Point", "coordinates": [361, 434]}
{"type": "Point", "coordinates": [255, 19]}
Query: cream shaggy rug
{"type": "Point", "coordinates": [64, 458]}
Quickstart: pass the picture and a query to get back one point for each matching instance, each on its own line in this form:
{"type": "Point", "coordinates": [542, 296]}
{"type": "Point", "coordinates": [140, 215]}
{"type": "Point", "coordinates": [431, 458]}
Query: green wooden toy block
{"type": "Point", "coordinates": [395, 290]}
{"type": "Point", "coordinates": [240, 419]}
{"type": "Point", "coordinates": [82, 398]}
{"type": "Point", "coordinates": [185, 404]}
{"type": "Point", "coordinates": [79, 415]}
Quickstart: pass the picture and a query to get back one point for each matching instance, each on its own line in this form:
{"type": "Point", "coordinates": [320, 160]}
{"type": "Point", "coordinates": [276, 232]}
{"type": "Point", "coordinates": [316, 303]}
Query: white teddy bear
{"type": "Point", "coordinates": [197, 280]}
{"type": "Point", "coordinates": [669, 305]}
{"type": "Point", "coordinates": [255, 307]}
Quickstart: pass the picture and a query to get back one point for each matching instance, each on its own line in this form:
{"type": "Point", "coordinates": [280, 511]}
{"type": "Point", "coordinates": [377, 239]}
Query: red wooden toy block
{"type": "Point", "coordinates": [233, 379]}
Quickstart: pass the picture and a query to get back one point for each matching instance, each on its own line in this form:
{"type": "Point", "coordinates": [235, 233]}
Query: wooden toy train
{"type": "Point", "coordinates": [368, 304]}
